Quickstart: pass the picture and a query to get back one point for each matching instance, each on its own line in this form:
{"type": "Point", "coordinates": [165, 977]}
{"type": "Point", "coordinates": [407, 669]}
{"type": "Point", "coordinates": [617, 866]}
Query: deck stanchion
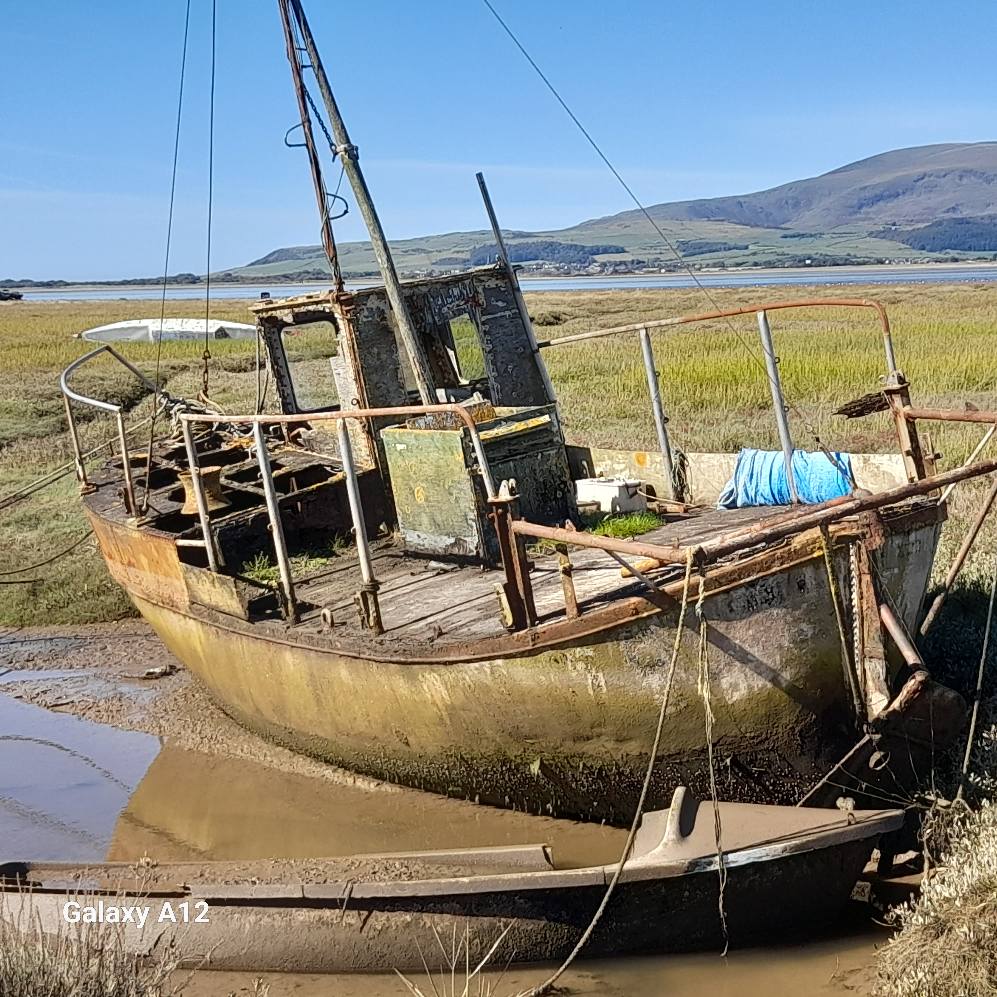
{"type": "Point", "coordinates": [367, 597]}
{"type": "Point", "coordinates": [126, 465]}
{"type": "Point", "coordinates": [81, 471]}
{"type": "Point", "coordinates": [778, 402]}
{"type": "Point", "coordinates": [199, 496]}
{"type": "Point", "coordinates": [660, 420]}
{"type": "Point", "coordinates": [276, 527]}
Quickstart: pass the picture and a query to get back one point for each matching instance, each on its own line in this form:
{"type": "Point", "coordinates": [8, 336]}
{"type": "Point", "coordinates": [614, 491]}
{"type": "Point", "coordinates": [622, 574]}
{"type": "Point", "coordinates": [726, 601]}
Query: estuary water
{"type": "Point", "coordinates": [779, 277]}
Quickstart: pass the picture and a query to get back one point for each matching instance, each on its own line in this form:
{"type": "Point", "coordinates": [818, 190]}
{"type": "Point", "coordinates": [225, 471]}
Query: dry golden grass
{"type": "Point", "coordinates": [713, 386]}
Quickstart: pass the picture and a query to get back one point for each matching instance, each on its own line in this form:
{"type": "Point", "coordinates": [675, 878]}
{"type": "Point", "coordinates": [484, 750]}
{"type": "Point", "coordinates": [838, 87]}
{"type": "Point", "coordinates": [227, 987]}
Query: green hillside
{"type": "Point", "coordinates": [868, 211]}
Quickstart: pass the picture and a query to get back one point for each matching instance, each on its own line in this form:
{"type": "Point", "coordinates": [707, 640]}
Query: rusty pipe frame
{"type": "Point", "coordinates": [771, 306]}
{"type": "Point", "coordinates": [902, 639]}
{"type": "Point", "coordinates": [116, 410]}
{"type": "Point", "coordinates": [762, 533]}
{"type": "Point", "coordinates": [367, 413]}
{"type": "Point", "coordinates": [913, 413]}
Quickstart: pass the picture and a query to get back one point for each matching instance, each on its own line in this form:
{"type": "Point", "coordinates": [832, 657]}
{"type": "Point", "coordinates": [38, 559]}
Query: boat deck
{"type": "Point", "coordinates": [429, 601]}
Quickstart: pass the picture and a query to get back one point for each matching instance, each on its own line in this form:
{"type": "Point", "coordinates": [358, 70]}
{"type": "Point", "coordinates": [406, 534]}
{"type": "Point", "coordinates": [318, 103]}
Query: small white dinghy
{"type": "Point", "coordinates": [151, 330]}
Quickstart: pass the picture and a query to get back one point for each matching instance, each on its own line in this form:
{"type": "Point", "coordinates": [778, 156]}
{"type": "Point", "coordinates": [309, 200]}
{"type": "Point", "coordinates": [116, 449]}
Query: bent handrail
{"type": "Point", "coordinates": [744, 310]}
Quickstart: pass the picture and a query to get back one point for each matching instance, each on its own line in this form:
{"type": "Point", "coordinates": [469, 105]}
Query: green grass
{"type": "Point", "coordinates": [627, 525]}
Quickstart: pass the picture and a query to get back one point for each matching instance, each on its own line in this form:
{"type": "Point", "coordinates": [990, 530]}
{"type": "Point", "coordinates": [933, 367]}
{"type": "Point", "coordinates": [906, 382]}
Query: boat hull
{"type": "Point", "coordinates": [354, 931]}
{"type": "Point", "coordinates": [563, 729]}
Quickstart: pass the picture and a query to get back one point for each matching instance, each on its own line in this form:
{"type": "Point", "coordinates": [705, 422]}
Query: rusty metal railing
{"type": "Point", "coordinates": [117, 411]}
{"type": "Point", "coordinates": [643, 330]}
{"type": "Point", "coordinates": [369, 587]}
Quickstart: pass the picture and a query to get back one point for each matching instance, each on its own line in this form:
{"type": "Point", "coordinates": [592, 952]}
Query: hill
{"type": "Point", "coordinates": [868, 211]}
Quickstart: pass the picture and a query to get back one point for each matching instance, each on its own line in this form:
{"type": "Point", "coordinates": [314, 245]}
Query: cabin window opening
{"type": "Point", "coordinates": [465, 350]}
{"type": "Point", "coordinates": [308, 348]}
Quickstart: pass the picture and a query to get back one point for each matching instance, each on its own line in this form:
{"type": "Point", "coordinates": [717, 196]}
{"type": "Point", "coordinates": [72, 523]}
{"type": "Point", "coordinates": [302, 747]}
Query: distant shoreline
{"type": "Point", "coordinates": [872, 268]}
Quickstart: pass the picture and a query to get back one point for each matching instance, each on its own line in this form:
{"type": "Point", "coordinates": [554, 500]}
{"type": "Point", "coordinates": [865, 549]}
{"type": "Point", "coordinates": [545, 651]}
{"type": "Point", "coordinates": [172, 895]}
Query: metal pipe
{"type": "Point", "coordinates": [668, 555]}
{"type": "Point", "coordinates": [356, 507]}
{"type": "Point", "coordinates": [660, 421]}
{"type": "Point", "coordinates": [366, 413]}
{"type": "Point", "coordinates": [900, 637]}
{"type": "Point", "coordinates": [977, 450]}
{"type": "Point", "coordinates": [349, 158]}
{"type": "Point", "coordinates": [276, 526]}
{"type": "Point", "coordinates": [960, 558]}
{"type": "Point", "coordinates": [832, 511]}
{"type": "Point", "coordinates": [321, 195]}
{"type": "Point", "coordinates": [771, 306]}
{"type": "Point", "coordinates": [636, 572]}
{"type": "Point", "coordinates": [524, 314]}
{"type": "Point", "coordinates": [199, 497]}
{"type": "Point", "coordinates": [126, 466]}
{"type": "Point", "coordinates": [948, 415]}
{"type": "Point", "coordinates": [81, 471]}
{"type": "Point", "coordinates": [778, 402]}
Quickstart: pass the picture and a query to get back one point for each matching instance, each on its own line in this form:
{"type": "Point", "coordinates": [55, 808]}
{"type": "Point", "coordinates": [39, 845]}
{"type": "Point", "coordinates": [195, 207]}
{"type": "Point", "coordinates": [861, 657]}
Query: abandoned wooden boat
{"type": "Point", "coordinates": [384, 912]}
{"type": "Point", "coordinates": [436, 648]}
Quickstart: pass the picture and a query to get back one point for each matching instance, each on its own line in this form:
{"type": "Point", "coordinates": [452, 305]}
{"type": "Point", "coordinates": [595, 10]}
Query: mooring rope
{"type": "Point", "coordinates": [703, 684]}
{"type": "Point", "coordinates": [847, 647]}
{"type": "Point", "coordinates": [545, 987]}
{"type": "Point", "coordinates": [41, 564]}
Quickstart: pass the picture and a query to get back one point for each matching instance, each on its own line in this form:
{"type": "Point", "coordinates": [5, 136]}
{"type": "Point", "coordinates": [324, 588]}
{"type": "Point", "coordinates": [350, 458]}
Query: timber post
{"type": "Point", "coordinates": [566, 571]}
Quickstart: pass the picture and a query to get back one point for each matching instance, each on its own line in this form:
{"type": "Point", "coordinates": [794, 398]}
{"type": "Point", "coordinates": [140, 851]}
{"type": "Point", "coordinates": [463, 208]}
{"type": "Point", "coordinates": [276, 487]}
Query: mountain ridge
{"type": "Point", "coordinates": [849, 214]}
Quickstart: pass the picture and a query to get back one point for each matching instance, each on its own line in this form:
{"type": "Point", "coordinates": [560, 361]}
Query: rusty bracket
{"type": "Point", "coordinates": [368, 607]}
{"type": "Point", "coordinates": [517, 587]}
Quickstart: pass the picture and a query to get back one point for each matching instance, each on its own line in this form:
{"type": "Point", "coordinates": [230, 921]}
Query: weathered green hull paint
{"type": "Point", "coordinates": [566, 731]}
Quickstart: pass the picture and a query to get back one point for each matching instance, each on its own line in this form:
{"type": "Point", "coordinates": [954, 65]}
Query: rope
{"type": "Point", "coordinates": [41, 564]}
{"type": "Point", "coordinates": [166, 262]}
{"type": "Point", "coordinates": [979, 685]}
{"type": "Point", "coordinates": [704, 691]}
{"type": "Point", "coordinates": [807, 422]}
{"type": "Point", "coordinates": [206, 356]}
{"type": "Point", "coordinates": [547, 985]}
{"type": "Point", "coordinates": [846, 646]}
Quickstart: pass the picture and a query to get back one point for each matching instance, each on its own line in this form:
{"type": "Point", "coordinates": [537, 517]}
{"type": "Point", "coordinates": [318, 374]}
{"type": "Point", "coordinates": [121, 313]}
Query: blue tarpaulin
{"type": "Point", "coordinates": [760, 478]}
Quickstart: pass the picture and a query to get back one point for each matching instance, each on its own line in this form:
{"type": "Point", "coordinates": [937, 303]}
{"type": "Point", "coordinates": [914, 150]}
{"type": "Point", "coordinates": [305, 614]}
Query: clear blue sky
{"type": "Point", "coordinates": [690, 100]}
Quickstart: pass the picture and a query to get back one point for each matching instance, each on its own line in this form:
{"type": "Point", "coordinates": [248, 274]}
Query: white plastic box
{"type": "Point", "coordinates": [613, 495]}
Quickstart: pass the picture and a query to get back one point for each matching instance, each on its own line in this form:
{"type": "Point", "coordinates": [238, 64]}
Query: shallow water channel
{"type": "Point", "coordinates": [75, 790]}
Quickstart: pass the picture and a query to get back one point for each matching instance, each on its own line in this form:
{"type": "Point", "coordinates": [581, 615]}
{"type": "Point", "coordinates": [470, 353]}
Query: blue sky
{"type": "Point", "coordinates": [689, 100]}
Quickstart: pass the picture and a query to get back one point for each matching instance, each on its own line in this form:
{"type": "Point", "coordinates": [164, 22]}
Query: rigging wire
{"type": "Point", "coordinates": [206, 356]}
{"type": "Point", "coordinates": [166, 262]}
{"type": "Point", "coordinates": [979, 685]}
{"type": "Point", "coordinates": [547, 985]}
{"type": "Point", "coordinates": [808, 424]}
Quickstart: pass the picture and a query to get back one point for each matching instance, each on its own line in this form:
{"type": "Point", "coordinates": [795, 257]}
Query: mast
{"type": "Point", "coordinates": [351, 166]}
{"type": "Point", "coordinates": [328, 239]}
